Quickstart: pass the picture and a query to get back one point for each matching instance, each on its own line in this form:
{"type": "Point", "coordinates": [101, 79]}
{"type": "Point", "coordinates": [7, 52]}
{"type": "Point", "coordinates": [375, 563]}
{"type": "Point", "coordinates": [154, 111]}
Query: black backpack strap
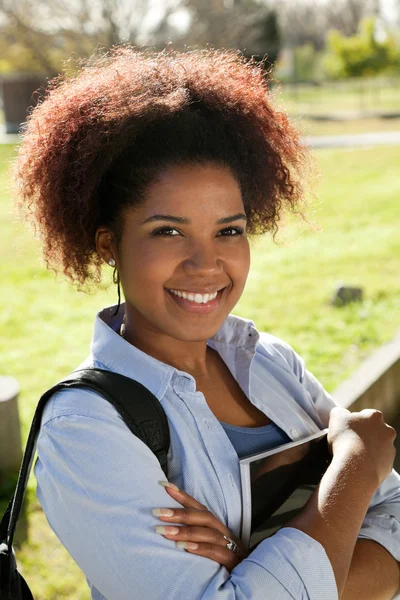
{"type": "Point", "coordinates": [138, 407]}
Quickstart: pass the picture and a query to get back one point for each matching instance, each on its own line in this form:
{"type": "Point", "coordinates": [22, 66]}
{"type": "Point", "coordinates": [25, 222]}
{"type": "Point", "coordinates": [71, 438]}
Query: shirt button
{"type": "Point", "coordinates": [294, 433]}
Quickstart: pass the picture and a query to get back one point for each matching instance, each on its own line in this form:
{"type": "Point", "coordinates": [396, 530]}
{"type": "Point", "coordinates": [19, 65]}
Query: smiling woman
{"type": "Point", "coordinates": [163, 165]}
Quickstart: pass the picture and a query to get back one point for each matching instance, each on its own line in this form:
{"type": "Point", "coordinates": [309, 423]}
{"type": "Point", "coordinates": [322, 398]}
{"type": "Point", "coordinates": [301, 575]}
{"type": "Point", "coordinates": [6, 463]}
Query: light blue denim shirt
{"type": "Point", "coordinates": [98, 483]}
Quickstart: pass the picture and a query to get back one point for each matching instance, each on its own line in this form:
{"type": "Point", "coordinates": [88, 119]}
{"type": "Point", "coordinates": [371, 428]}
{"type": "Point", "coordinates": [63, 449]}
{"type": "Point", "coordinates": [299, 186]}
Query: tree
{"type": "Point", "coordinates": [40, 34]}
{"type": "Point", "coordinates": [309, 21]}
{"type": "Point", "coordinates": [247, 25]}
{"type": "Point", "coordinates": [346, 15]}
{"type": "Point", "coordinates": [306, 63]}
{"type": "Point", "coordinates": [302, 22]}
{"type": "Point", "coordinates": [267, 38]}
{"type": "Point", "coordinates": [360, 55]}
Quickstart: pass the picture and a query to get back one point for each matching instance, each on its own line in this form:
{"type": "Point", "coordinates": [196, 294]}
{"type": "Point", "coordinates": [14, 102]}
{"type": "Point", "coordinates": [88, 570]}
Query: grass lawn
{"type": "Point", "coordinates": [340, 126]}
{"type": "Point", "coordinates": [46, 325]}
{"type": "Point", "coordinates": [375, 95]}
{"type": "Point", "coordinates": [346, 127]}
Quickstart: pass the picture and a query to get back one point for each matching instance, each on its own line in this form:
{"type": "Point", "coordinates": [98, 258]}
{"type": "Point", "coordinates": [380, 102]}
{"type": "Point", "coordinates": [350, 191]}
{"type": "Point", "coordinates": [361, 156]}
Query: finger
{"type": "Point", "coordinates": [338, 410]}
{"type": "Point", "coordinates": [200, 534]}
{"type": "Point", "coordinates": [205, 517]}
{"type": "Point", "coordinates": [192, 534]}
{"type": "Point", "coordinates": [182, 496]}
{"type": "Point", "coordinates": [371, 412]}
{"type": "Point", "coordinates": [192, 516]}
{"type": "Point", "coordinates": [223, 556]}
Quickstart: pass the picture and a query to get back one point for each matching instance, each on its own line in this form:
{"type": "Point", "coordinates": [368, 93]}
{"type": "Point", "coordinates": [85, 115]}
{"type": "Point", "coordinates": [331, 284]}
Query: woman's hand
{"type": "Point", "coordinates": [365, 436]}
{"type": "Point", "coordinates": [199, 528]}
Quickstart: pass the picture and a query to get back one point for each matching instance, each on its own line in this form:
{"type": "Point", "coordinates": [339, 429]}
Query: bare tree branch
{"type": "Point", "coordinates": [29, 38]}
{"type": "Point", "coordinates": [53, 29]}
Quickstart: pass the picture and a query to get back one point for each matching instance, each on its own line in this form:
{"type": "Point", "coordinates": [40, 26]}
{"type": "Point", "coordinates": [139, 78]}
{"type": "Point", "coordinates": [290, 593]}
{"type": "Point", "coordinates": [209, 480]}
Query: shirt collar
{"type": "Point", "coordinates": [116, 354]}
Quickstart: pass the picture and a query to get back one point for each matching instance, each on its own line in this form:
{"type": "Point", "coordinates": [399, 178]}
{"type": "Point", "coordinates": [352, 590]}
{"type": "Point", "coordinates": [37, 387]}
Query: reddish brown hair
{"type": "Point", "coordinates": [103, 134]}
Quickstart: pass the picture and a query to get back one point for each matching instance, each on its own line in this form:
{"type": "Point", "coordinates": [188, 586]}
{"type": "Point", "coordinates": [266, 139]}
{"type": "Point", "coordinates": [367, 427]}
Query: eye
{"type": "Point", "coordinates": [238, 231]}
{"type": "Point", "coordinates": [164, 231]}
{"type": "Point", "coordinates": [227, 232]}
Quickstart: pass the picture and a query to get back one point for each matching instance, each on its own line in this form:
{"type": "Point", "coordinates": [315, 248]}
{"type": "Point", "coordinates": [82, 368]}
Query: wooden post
{"type": "Point", "coordinates": [10, 436]}
{"type": "Point", "coordinates": [10, 449]}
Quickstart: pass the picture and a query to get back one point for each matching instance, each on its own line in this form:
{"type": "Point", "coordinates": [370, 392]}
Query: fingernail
{"type": "Point", "coordinates": [163, 512]}
{"type": "Point", "coordinates": [170, 485]}
{"type": "Point", "coordinates": [167, 530]}
{"type": "Point", "coordinates": [187, 545]}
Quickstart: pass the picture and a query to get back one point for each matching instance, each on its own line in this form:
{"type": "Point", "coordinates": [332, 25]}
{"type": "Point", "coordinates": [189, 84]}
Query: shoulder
{"type": "Point", "coordinates": [289, 368]}
{"type": "Point", "coordinates": [281, 353]}
{"type": "Point", "coordinates": [80, 428]}
{"type": "Point", "coordinates": [79, 402]}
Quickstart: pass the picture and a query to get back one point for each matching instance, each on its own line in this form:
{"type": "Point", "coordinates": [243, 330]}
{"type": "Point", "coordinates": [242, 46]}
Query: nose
{"type": "Point", "coordinates": [204, 260]}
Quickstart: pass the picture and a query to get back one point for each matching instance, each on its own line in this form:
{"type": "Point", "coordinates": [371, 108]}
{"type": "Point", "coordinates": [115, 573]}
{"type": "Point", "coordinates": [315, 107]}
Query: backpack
{"type": "Point", "coordinates": [142, 413]}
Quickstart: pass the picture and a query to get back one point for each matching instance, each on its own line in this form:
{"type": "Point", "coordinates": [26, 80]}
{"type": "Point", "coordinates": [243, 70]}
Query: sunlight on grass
{"type": "Point", "coordinates": [346, 127]}
{"type": "Point", "coordinates": [357, 95]}
{"type": "Point", "coordinates": [46, 325]}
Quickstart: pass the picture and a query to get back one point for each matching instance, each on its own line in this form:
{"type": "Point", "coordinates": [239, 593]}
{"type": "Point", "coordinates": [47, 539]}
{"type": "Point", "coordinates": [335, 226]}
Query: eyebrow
{"type": "Point", "coordinates": [187, 221]}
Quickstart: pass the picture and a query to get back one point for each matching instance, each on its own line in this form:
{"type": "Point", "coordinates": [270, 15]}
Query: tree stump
{"type": "Point", "coordinates": [10, 450]}
{"type": "Point", "coordinates": [10, 436]}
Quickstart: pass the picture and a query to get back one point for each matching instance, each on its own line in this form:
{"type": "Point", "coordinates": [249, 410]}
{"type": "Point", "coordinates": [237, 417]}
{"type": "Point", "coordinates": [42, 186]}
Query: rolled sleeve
{"type": "Point", "coordinates": [382, 522]}
{"type": "Point", "coordinates": [298, 564]}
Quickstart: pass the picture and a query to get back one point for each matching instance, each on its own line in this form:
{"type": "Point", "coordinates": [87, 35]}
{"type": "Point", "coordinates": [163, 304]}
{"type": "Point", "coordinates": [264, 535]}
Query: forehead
{"type": "Point", "coordinates": [191, 189]}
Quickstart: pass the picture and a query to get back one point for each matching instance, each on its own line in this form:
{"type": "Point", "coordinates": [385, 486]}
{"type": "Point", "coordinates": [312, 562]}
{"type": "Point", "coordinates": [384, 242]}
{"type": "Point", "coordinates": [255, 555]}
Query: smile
{"type": "Point", "coordinates": [194, 296]}
{"type": "Point", "coordinates": [194, 302]}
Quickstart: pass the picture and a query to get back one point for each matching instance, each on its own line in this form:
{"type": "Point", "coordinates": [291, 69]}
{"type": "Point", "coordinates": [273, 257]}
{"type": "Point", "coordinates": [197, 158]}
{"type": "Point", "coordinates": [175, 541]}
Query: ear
{"type": "Point", "coordinates": [105, 244]}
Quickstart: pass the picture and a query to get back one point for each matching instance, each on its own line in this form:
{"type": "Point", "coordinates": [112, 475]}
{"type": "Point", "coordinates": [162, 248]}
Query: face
{"type": "Point", "coordinates": [188, 238]}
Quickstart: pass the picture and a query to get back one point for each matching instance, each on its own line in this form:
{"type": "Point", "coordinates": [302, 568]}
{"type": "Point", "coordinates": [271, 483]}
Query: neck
{"type": "Point", "coordinates": [195, 358]}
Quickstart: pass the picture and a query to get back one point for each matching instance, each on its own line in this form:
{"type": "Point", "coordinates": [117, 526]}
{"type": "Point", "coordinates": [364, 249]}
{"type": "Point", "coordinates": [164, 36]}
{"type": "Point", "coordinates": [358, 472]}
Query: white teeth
{"type": "Point", "coordinates": [198, 298]}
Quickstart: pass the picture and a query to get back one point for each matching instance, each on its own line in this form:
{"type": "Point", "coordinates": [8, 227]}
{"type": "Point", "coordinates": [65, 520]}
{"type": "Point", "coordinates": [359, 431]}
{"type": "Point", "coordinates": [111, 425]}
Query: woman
{"type": "Point", "coordinates": [161, 166]}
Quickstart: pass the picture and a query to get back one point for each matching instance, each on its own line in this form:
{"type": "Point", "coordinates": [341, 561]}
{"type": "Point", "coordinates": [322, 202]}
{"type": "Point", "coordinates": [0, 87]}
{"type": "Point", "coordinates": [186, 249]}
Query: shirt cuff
{"type": "Point", "coordinates": [383, 529]}
{"type": "Point", "coordinates": [298, 562]}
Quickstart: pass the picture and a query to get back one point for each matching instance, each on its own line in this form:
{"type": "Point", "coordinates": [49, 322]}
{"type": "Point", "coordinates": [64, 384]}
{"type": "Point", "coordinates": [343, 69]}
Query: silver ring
{"type": "Point", "coordinates": [231, 545]}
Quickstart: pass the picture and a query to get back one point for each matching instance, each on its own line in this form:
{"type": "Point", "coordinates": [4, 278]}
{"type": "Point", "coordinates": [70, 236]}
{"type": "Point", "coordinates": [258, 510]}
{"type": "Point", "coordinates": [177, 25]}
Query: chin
{"type": "Point", "coordinates": [195, 333]}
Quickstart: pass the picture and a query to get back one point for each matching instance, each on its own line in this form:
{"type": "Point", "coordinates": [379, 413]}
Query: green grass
{"type": "Point", "coordinates": [346, 127]}
{"type": "Point", "coordinates": [46, 325]}
{"type": "Point", "coordinates": [375, 95]}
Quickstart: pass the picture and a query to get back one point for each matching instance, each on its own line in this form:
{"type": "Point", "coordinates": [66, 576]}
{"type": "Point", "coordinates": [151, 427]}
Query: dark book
{"type": "Point", "coordinates": [277, 484]}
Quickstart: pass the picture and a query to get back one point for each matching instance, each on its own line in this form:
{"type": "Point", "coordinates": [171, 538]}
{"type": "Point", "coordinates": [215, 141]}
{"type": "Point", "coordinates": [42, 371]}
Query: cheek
{"type": "Point", "coordinates": [240, 260]}
{"type": "Point", "coordinates": [149, 266]}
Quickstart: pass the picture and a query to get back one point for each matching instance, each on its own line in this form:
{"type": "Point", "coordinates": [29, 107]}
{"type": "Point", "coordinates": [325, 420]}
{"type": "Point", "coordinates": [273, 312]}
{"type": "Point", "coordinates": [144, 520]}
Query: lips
{"type": "Point", "coordinates": [207, 290]}
{"type": "Point", "coordinates": [197, 297]}
{"type": "Point", "coordinates": [193, 307]}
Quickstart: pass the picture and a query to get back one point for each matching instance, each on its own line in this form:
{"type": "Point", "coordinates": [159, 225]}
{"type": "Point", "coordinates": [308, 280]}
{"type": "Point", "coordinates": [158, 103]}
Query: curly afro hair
{"type": "Point", "coordinates": [102, 134]}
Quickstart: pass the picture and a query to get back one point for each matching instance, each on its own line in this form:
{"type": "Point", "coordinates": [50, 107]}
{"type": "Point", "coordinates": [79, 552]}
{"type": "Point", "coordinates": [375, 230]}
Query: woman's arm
{"type": "Point", "coordinates": [382, 521]}
{"type": "Point", "coordinates": [374, 573]}
{"type": "Point", "coordinates": [363, 455]}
